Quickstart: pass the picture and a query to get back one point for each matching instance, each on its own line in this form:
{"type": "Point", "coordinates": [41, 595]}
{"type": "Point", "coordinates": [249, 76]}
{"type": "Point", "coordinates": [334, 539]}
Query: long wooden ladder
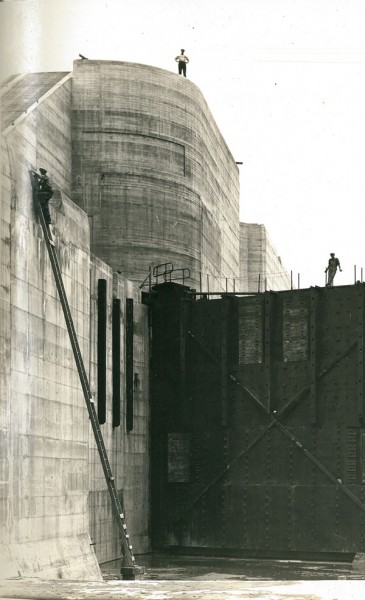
{"type": "Point", "coordinates": [127, 550]}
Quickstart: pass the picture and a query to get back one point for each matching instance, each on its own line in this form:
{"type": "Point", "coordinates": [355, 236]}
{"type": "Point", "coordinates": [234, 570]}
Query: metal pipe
{"type": "Point", "coordinates": [192, 293]}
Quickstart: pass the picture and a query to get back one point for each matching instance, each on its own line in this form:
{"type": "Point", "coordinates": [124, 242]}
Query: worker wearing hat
{"type": "Point", "coordinates": [44, 192]}
{"type": "Point", "coordinates": [333, 263]}
{"type": "Point", "coordinates": [182, 61]}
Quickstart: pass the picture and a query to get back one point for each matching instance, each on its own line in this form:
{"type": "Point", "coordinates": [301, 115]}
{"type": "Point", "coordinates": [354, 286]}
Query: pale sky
{"type": "Point", "coordinates": [284, 79]}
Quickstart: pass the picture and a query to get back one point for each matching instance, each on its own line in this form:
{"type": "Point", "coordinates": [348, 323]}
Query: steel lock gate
{"type": "Point", "coordinates": [258, 425]}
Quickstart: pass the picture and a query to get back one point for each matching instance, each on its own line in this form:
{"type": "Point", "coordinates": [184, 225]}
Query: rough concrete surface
{"type": "Point", "coordinates": [153, 172]}
{"type": "Point", "coordinates": [260, 266]}
{"type": "Point", "coordinates": [55, 512]}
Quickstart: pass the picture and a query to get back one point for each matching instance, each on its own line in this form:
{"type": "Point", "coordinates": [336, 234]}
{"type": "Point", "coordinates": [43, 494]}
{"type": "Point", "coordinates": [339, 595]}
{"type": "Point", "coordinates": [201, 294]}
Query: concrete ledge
{"type": "Point", "coordinates": [358, 564]}
{"type": "Point", "coordinates": [61, 558]}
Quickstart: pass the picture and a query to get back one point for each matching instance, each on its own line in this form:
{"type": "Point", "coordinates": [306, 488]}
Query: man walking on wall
{"type": "Point", "coordinates": [183, 61]}
{"type": "Point", "coordinates": [333, 263]}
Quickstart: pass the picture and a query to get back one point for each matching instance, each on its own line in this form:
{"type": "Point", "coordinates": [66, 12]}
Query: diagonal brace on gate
{"type": "Point", "coordinates": [287, 408]}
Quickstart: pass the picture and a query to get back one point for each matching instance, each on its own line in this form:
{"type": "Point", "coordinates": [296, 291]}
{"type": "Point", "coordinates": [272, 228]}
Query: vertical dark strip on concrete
{"type": "Point", "coordinates": [116, 361]}
{"type": "Point", "coordinates": [91, 228]}
{"type": "Point", "coordinates": [129, 363]}
{"type": "Point", "coordinates": [102, 350]}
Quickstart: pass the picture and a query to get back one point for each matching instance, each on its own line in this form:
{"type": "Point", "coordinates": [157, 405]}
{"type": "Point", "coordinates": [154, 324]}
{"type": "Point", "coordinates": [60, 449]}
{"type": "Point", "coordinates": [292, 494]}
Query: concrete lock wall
{"type": "Point", "coordinates": [49, 472]}
{"type": "Point", "coordinates": [152, 171]}
{"type": "Point", "coordinates": [5, 370]}
{"type": "Point", "coordinates": [45, 503]}
{"type": "Point", "coordinates": [260, 266]}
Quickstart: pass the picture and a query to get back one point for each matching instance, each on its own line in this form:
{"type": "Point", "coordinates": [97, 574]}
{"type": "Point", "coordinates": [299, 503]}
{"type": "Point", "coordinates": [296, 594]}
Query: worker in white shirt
{"type": "Point", "coordinates": [183, 61]}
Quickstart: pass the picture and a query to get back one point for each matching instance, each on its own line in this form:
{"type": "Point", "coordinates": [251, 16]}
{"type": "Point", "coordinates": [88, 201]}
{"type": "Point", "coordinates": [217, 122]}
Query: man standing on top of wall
{"type": "Point", "coordinates": [183, 61]}
{"type": "Point", "coordinates": [333, 263]}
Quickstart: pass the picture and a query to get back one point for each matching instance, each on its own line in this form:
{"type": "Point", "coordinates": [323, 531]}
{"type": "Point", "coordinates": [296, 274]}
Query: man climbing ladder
{"type": "Point", "coordinates": [44, 193]}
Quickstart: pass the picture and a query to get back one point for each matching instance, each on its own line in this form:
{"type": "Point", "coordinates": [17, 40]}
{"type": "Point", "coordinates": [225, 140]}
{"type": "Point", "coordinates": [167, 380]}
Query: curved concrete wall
{"type": "Point", "coordinates": [152, 171]}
